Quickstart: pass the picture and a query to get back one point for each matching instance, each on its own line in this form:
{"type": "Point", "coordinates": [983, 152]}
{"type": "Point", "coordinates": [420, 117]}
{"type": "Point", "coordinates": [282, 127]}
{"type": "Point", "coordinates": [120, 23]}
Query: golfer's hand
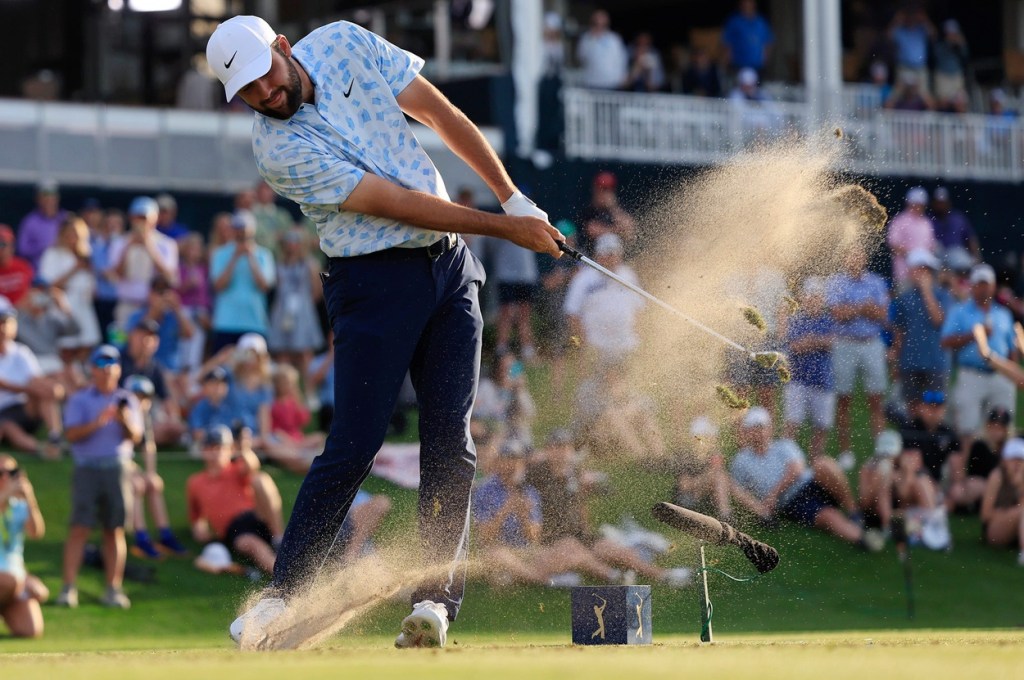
{"type": "Point", "coordinates": [519, 205]}
{"type": "Point", "coordinates": [536, 235]}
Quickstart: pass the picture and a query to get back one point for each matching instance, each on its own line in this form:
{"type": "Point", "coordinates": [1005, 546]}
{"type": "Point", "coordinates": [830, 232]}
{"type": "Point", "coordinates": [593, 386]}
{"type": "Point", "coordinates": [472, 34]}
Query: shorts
{"type": "Point", "coordinates": [864, 357]}
{"type": "Point", "coordinates": [18, 414]}
{"type": "Point", "coordinates": [516, 293]}
{"type": "Point", "coordinates": [101, 495]}
{"type": "Point", "coordinates": [803, 508]}
{"type": "Point", "coordinates": [976, 393]}
{"type": "Point", "coordinates": [247, 523]}
{"type": "Point", "coordinates": [803, 403]}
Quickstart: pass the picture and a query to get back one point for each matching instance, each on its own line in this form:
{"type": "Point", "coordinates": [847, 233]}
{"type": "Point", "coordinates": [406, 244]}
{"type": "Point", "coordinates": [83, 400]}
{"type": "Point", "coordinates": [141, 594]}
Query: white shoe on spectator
{"type": "Point", "coordinates": [846, 461]}
{"type": "Point", "coordinates": [873, 540]}
{"type": "Point", "coordinates": [250, 629]}
{"type": "Point", "coordinates": [115, 599]}
{"type": "Point", "coordinates": [68, 597]}
{"type": "Point", "coordinates": [1020, 558]}
{"type": "Point", "coordinates": [679, 577]}
{"type": "Point", "coordinates": [427, 626]}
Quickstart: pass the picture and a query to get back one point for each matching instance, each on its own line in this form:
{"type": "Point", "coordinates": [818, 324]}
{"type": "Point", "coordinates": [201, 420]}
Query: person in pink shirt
{"type": "Point", "coordinates": [909, 230]}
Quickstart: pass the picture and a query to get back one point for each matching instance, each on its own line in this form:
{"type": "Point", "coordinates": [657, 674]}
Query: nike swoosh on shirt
{"type": "Point", "coordinates": [349, 91]}
{"type": "Point", "coordinates": [229, 62]}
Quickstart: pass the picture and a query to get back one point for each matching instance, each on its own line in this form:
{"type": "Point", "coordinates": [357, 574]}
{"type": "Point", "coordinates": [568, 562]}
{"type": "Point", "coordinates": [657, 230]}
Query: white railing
{"type": "Point", "coordinates": [673, 129]}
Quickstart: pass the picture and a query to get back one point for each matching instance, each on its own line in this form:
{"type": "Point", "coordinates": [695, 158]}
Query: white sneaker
{"type": "Point", "coordinates": [1020, 558]}
{"type": "Point", "coordinates": [427, 626]}
{"type": "Point", "coordinates": [846, 461]}
{"type": "Point", "coordinates": [252, 625]}
{"type": "Point", "coordinates": [679, 577]}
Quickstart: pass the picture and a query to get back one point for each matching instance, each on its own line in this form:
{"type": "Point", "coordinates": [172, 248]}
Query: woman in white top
{"type": "Point", "coordinates": [20, 592]}
{"type": "Point", "coordinates": [67, 265]}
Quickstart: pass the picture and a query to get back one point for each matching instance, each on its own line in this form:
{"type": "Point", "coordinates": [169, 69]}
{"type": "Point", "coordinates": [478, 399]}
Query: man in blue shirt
{"type": "Point", "coordinates": [917, 318]}
{"type": "Point", "coordinates": [978, 387]}
{"type": "Point", "coordinates": [401, 288]}
{"type": "Point", "coordinates": [747, 37]}
{"type": "Point", "coordinates": [859, 302]}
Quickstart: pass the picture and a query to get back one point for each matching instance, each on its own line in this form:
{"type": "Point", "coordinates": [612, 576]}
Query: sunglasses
{"type": "Point", "coordinates": [933, 397]}
{"type": "Point", "coordinates": [12, 472]}
{"type": "Point", "coordinates": [104, 362]}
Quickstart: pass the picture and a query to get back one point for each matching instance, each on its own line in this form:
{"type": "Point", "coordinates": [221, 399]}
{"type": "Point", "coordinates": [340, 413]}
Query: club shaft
{"type": "Point", "coordinates": [580, 257]}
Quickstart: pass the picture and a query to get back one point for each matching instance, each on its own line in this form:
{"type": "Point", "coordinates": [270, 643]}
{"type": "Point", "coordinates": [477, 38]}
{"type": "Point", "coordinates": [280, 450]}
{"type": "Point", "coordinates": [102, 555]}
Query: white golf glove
{"type": "Point", "coordinates": [520, 206]}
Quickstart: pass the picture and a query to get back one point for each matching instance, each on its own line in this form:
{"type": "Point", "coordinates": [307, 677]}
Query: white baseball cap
{"type": "Point", "coordinates": [252, 341]}
{"type": "Point", "coordinates": [917, 196]}
{"type": "Point", "coordinates": [215, 556]}
{"type": "Point", "coordinates": [1014, 448]}
{"type": "Point", "coordinates": [239, 52]}
{"type": "Point", "coordinates": [757, 417]}
{"type": "Point", "coordinates": [921, 257]}
{"type": "Point", "coordinates": [888, 444]}
{"type": "Point", "coordinates": [983, 273]}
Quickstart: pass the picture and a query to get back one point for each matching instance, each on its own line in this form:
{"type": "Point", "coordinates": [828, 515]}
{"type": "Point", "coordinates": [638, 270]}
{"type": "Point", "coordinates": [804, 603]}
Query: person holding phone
{"type": "Point", "coordinates": [20, 592]}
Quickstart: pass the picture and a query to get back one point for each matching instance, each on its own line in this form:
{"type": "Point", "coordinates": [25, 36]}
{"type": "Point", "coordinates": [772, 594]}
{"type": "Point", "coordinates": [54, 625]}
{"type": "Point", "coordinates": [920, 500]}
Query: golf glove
{"type": "Point", "coordinates": [520, 206]}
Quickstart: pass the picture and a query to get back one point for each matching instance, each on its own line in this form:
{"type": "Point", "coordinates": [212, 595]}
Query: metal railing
{"type": "Point", "coordinates": [674, 129]}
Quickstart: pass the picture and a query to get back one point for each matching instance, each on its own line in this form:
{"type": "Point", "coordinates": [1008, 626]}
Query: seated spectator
{"type": "Point", "coordinates": [772, 481]}
{"type": "Point", "coordinates": [909, 95]}
{"type": "Point", "coordinates": [938, 444]}
{"type": "Point", "coordinates": [27, 398]}
{"type": "Point", "coordinates": [233, 502]}
{"type": "Point", "coordinates": [289, 415]}
{"type": "Point", "coordinates": [167, 218]}
{"type": "Point", "coordinates": [194, 293]}
{"type": "Point", "coordinates": [1002, 505]}
{"type": "Point", "coordinates": [21, 593]}
{"type": "Point", "coordinates": [701, 480]}
{"type": "Point", "coordinates": [103, 425]}
{"type": "Point", "coordinates": [15, 273]}
{"type": "Point", "coordinates": [38, 229]}
{"type": "Point", "coordinates": [67, 265]}
{"type": "Point", "coordinates": [321, 379]}
{"type": "Point", "coordinates": [950, 54]}
{"type": "Point", "coordinates": [874, 497]}
{"type": "Point", "coordinates": [241, 273]}
{"type": "Point", "coordinates": [645, 72]}
{"type": "Point", "coordinates": [504, 399]}
{"type": "Point", "coordinates": [810, 394]}
{"type": "Point", "coordinates": [984, 457]}
{"type": "Point", "coordinates": [361, 523]}
{"type": "Point", "coordinates": [602, 55]}
{"type": "Point", "coordinates": [747, 37]}
{"type": "Point", "coordinates": [138, 257]}
{"type": "Point", "coordinates": [701, 76]}
{"type": "Point", "coordinates": [213, 409]}
{"type": "Point", "coordinates": [294, 324]}
{"type": "Point", "coordinates": [163, 310]}
{"type": "Point", "coordinates": [45, 318]}
{"type": "Point", "coordinates": [148, 485]}
{"type": "Point", "coordinates": [140, 359]}
{"type": "Point", "coordinates": [626, 421]}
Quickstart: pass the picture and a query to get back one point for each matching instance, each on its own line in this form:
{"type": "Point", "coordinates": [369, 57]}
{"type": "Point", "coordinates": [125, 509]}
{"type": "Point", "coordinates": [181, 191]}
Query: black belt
{"type": "Point", "coordinates": [442, 246]}
{"type": "Point", "coordinates": [445, 244]}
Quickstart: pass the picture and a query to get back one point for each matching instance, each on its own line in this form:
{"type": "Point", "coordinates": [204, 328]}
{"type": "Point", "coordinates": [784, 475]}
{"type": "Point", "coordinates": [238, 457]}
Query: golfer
{"type": "Point", "coordinates": [401, 287]}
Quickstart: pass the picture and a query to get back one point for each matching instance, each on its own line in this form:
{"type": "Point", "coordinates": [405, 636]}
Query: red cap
{"type": "Point", "coordinates": [6, 234]}
{"type": "Point", "coordinates": [605, 180]}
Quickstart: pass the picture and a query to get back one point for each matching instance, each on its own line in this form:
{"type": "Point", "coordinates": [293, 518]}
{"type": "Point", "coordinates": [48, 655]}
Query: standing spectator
{"type": "Point", "coordinates": [605, 215]}
{"type": "Point", "coordinates": [91, 213]}
{"type": "Point", "coordinates": [167, 218]}
{"type": "Point", "coordinates": [140, 360]}
{"type": "Point", "coordinates": [601, 312]}
{"type": "Point", "coordinates": [221, 231]}
{"type": "Point", "coordinates": [950, 57]}
{"type": "Point", "coordinates": [747, 38]}
{"type": "Point", "coordinates": [27, 397]}
{"type": "Point", "coordinates": [552, 326]}
{"type": "Point", "coordinates": [273, 221]}
{"type": "Point", "coordinates": [103, 424]}
{"type": "Point", "coordinates": [515, 270]}
{"type": "Point", "coordinates": [859, 302]}
{"type": "Point", "coordinates": [100, 241]}
{"type": "Point", "coordinates": [38, 229]}
{"type": "Point", "coordinates": [294, 324]}
{"type": "Point", "coordinates": [241, 272]}
{"type": "Point", "coordinates": [810, 394]}
{"type": "Point", "coordinates": [909, 230]}
{"type": "Point", "coordinates": [978, 387]}
{"type": "Point", "coordinates": [15, 273]}
{"type": "Point", "coordinates": [909, 95]}
{"type": "Point", "coordinates": [951, 226]}
{"type": "Point", "coordinates": [139, 257]}
{"type": "Point", "coordinates": [194, 293]}
{"type": "Point", "coordinates": [20, 592]}
{"type": "Point", "coordinates": [1002, 508]}
{"type": "Point", "coordinates": [701, 76]}
{"type": "Point", "coordinates": [917, 318]}
{"type": "Point", "coordinates": [758, 114]}
{"type": "Point", "coordinates": [602, 54]}
{"type": "Point", "coordinates": [911, 32]}
{"type": "Point", "coordinates": [646, 72]}
{"type": "Point", "coordinates": [67, 265]}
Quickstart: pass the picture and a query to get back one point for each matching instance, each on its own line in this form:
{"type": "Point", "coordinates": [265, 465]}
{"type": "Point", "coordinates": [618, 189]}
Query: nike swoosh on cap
{"type": "Point", "coordinates": [227, 64]}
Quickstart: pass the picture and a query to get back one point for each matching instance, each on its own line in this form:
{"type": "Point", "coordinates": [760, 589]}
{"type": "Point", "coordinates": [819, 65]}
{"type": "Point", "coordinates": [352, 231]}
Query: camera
{"type": "Point", "coordinates": [122, 402]}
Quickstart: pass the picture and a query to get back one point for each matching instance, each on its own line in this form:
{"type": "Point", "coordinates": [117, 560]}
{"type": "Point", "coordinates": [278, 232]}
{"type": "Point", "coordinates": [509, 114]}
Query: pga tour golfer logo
{"type": "Point", "coordinates": [611, 615]}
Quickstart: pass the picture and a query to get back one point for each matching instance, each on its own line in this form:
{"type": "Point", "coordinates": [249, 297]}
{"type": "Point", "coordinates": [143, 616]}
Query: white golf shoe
{"type": "Point", "coordinates": [427, 626]}
{"type": "Point", "coordinates": [250, 629]}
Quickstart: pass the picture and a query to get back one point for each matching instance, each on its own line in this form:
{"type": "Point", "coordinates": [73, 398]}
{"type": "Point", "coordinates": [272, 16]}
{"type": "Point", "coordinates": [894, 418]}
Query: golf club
{"type": "Point", "coordinates": [899, 537]}
{"type": "Point", "coordinates": [767, 359]}
{"type": "Point", "coordinates": [716, 532]}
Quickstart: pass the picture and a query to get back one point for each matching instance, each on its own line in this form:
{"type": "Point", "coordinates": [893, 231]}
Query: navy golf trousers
{"type": "Point", "coordinates": [395, 311]}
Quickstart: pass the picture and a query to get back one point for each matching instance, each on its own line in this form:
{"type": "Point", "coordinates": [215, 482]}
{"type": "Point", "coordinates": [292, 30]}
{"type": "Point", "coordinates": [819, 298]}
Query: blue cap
{"type": "Point", "coordinates": [143, 206]}
{"type": "Point", "coordinates": [217, 374]}
{"type": "Point", "coordinates": [105, 355]}
{"type": "Point", "coordinates": [934, 397]}
{"type": "Point", "coordinates": [219, 435]}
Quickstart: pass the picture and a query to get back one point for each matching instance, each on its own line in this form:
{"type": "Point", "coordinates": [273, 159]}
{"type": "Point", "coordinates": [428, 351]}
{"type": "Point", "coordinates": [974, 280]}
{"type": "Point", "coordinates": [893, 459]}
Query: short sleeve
{"type": "Point", "coordinates": [951, 326]}
{"type": "Point", "coordinates": [74, 412]}
{"type": "Point", "coordinates": [32, 367]}
{"type": "Point", "coordinates": [398, 67]}
{"type": "Point", "coordinates": [198, 415]}
{"type": "Point", "coordinates": [218, 261]}
{"type": "Point", "coordinates": [302, 173]}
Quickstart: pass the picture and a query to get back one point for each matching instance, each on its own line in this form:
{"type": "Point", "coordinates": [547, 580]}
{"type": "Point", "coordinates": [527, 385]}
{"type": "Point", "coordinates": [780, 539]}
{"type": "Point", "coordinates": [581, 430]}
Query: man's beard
{"type": "Point", "coordinates": [292, 96]}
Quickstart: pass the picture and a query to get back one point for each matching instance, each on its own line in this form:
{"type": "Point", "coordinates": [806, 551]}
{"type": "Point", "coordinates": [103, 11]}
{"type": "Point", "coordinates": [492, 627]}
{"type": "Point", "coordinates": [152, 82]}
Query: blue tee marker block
{"type": "Point", "coordinates": [611, 615]}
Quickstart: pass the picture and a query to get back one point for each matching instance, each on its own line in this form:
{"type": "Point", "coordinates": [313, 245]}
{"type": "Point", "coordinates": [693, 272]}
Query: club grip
{"type": "Point", "coordinates": [570, 251]}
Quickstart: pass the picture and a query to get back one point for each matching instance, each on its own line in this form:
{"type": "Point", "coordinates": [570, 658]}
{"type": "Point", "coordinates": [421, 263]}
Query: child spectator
{"type": "Point", "coordinates": [294, 325]}
{"type": "Point", "coordinates": [938, 444]}
{"type": "Point", "coordinates": [289, 414]}
{"type": "Point", "coordinates": [810, 394]}
{"type": "Point", "coordinates": [140, 359]}
{"type": "Point", "coordinates": [164, 309]}
{"type": "Point", "coordinates": [1002, 506]}
{"type": "Point", "coordinates": [983, 458]}
{"type": "Point", "coordinates": [20, 592]}
{"type": "Point", "coordinates": [233, 502]}
{"type": "Point", "coordinates": [147, 484]}
{"type": "Point", "coordinates": [213, 409]}
{"type": "Point", "coordinates": [874, 489]}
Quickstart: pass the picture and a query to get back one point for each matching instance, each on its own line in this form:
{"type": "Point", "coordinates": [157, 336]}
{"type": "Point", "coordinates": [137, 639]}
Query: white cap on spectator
{"type": "Point", "coordinates": [921, 257]}
{"type": "Point", "coordinates": [252, 341]}
{"type": "Point", "coordinates": [756, 417]}
{"type": "Point", "coordinates": [888, 444]}
{"type": "Point", "coordinates": [747, 76]}
{"type": "Point", "coordinates": [1013, 448]}
{"type": "Point", "coordinates": [703, 427]}
{"type": "Point", "coordinates": [239, 52]}
{"type": "Point", "coordinates": [983, 273]}
{"type": "Point", "coordinates": [215, 557]}
{"type": "Point", "coordinates": [917, 196]}
{"type": "Point", "coordinates": [814, 285]}
{"type": "Point", "coordinates": [608, 244]}
{"type": "Point", "coordinates": [553, 21]}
